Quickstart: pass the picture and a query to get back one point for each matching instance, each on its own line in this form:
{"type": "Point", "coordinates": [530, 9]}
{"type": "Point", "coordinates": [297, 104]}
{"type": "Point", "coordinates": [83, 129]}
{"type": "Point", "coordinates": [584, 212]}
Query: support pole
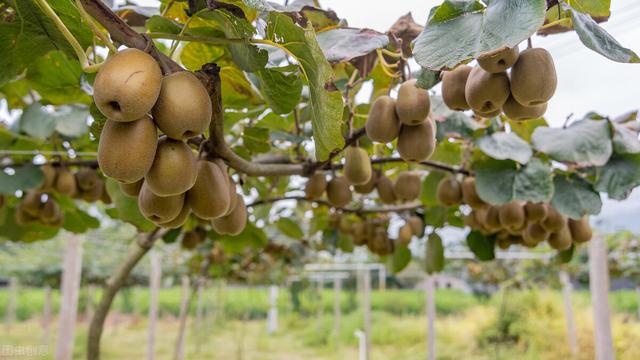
{"type": "Point", "coordinates": [272, 321]}
{"type": "Point", "coordinates": [431, 317]}
{"type": "Point", "coordinates": [366, 286]}
{"type": "Point", "coordinates": [199, 331]}
{"type": "Point", "coordinates": [70, 287]}
{"type": "Point", "coordinates": [568, 312]}
{"type": "Point", "coordinates": [337, 288]}
{"type": "Point", "coordinates": [184, 309]}
{"type": "Point", "coordinates": [638, 299]}
{"type": "Point", "coordinates": [10, 314]}
{"type": "Point", "coordinates": [382, 278]}
{"type": "Point", "coordinates": [46, 316]}
{"type": "Point", "coordinates": [154, 284]}
{"type": "Point", "coordinates": [599, 285]}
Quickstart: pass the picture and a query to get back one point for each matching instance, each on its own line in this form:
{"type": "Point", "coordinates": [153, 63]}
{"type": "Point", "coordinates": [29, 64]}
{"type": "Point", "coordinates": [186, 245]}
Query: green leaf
{"type": "Point", "coordinates": [504, 146]}
{"type": "Point", "coordinates": [564, 256]}
{"type": "Point", "coordinates": [196, 54]}
{"type": "Point", "coordinates": [71, 121]}
{"type": "Point", "coordinates": [290, 228]}
{"type": "Point", "coordinates": [40, 122]}
{"type": "Point", "coordinates": [11, 231]}
{"type": "Point", "coordinates": [400, 259]}
{"type": "Point", "coordinates": [601, 8]}
{"type": "Point", "coordinates": [250, 237]}
{"type": "Point", "coordinates": [76, 220]}
{"type": "Point", "coordinates": [483, 247]}
{"type": "Point", "coordinates": [454, 35]}
{"type": "Point", "coordinates": [501, 182]}
{"type": "Point", "coordinates": [599, 40]}
{"type": "Point", "coordinates": [428, 195]}
{"type": "Point", "coordinates": [575, 197]}
{"type": "Point", "coordinates": [25, 177]}
{"type": "Point", "coordinates": [428, 78]}
{"type": "Point", "coordinates": [161, 24]}
{"type": "Point", "coordinates": [126, 208]}
{"type": "Point", "coordinates": [345, 44]}
{"type": "Point", "coordinates": [583, 142]}
{"type": "Point", "coordinates": [256, 139]}
{"type": "Point", "coordinates": [325, 101]}
{"type": "Point", "coordinates": [619, 176]}
{"type": "Point", "coordinates": [280, 90]}
{"type": "Point", "coordinates": [452, 9]}
{"type": "Point", "coordinates": [37, 122]}
{"type": "Point", "coordinates": [625, 140]}
{"type": "Point", "coordinates": [171, 236]}
{"type": "Point", "coordinates": [448, 152]}
{"type": "Point", "coordinates": [434, 257]}
{"type": "Point", "coordinates": [525, 129]}
{"type": "Point", "coordinates": [456, 124]}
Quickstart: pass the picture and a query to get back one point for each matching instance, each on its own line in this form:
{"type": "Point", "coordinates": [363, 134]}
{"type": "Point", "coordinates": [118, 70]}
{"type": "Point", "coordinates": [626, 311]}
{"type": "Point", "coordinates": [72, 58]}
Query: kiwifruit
{"type": "Point", "coordinates": [369, 186]}
{"type": "Point", "coordinates": [66, 182]}
{"type": "Point", "coordinates": [470, 195]}
{"type": "Point", "coordinates": [449, 192]}
{"type": "Point", "coordinates": [174, 168]}
{"type": "Point", "coordinates": [193, 238]}
{"type": "Point", "coordinates": [503, 243]}
{"type": "Point", "coordinates": [93, 194]}
{"type": "Point", "coordinates": [127, 85]}
{"type": "Point", "coordinates": [535, 212]}
{"type": "Point", "coordinates": [359, 234]}
{"type": "Point", "coordinates": [385, 190]}
{"type": "Point", "coordinates": [183, 109]}
{"type": "Point", "coordinates": [499, 60]}
{"type": "Point", "coordinates": [233, 199]}
{"type": "Point", "coordinates": [481, 217]}
{"type": "Point", "coordinates": [159, 209]}
{"type": "Point", "coordinates": [57, 220]}
{"type": "Point", "coordinates": [357, 165]}
{"type": "Point", "coordinates": [560, 240]}
{"type": "Point", "coordinates": [470, 220]}
{"type": "Point", "coordinates": [49, 177]}
{"type": "Point", "coordinates": [413, 104]}
{"type": "Point", "coordinates": [492, 218]}
{"type": "Point", "coordinates": [50, 210]}
{"type": "Point", "coordinates": [417, 225]}
{"type": "Point", "coordinates": [487, 115]}
{"type": "Point", "coordinates": [512, 215]}
{"type": "Point", "coordinates": [555, 221]}
{"type": "Point", "coordinates": [22, 217]}
{"type": "Point", "coordinates": [417, 143]}
{"type": "Point", "coordinates": [234, 222]}
{"type": "Point", "coordinates": [86, 178]}
{"type": "Point", "coordinates": [533, 77]}
{"type": "Point", "coordinates": [105, 198]}
{"type": "Point", "coordinates": [126, 150]}
{"type": "Point", "coordinates": [580, 230]}
{"type": "Point", "coordinates": [344, 224]}
{"type": "Point", "coordinates": [338, 192]}
{"type": "Point", "coordinates": [405, 234]}
{"type": "Point", "coordinates": [31, 203]}
{"type": "Point", "coordinates": [131, 189]}
{"type": "Point", "coordinates": [407, 186]}
{"type": "Point", "coordinates": [453, 84]}
{"type": "Point", "coordinates": [179, 220]}
{"type": "Point", "coordinates": [517, 230]}
{"type": "Point", "coordinates": [382, 123]}
{"type": "Point", "coordinates": [535, 233]}
{"type": "Point", "coordinates": [514, 111]}
{"type": "Point", "coordinates": [209, 197]}
{"type": "Point", "coordinates": [334, 220]}
{"type": "Point", "coordinates": [486, 92]}
{"type": "Point", "coordinates": [316, 186]}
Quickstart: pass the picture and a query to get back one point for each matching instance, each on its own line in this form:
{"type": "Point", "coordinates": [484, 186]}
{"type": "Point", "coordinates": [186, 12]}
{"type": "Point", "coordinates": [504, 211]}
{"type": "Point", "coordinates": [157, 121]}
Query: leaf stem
{"type": "Point", "coordinates": [94, 27]}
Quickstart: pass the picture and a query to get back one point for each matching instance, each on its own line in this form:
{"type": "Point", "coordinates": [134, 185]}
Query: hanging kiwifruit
{"type": "Point", "coordinates": [417, 225]}
{"type": "Point", "coordinates": [417, 143]}
{"type": "Point", "coordinates": [512, 215]}
{"type": "Point", "coordinates": [453, 84]}
{"type": "Point", "coordinates": [92, 194]}
{"type": "Point", "coordinates": [233, 198]}
{"type": "Point", "coordinates": [385, 190]}
{"type": "Point", "coordinates": [316, 186]}
{"type": "Point", "coordinates": [560, 240]}
{"type": "Point", "coordinates": [22, 217]}
{"type": "Point", "coordinates": [191, 239]}
{"type": "Point", "coordinates": [382, 123]}
{"type": "Point", "coordinates": [470, 221]}
{"type": "Point", "coordinates": [50, 211]}
{"type": "Point", "coordinates": [87, 179]}
{"type": "Point", "coordinates": [517, 112]}
{"type": "Point", "coordinates": [407, 186]}
{"type": "Point", "coordinates": [368, 187]}
{"type": "Point", "coordinates": [358, 234]}
{"type": "Point", "coordinates": [499, 60]}
{"type": "Point", "coordinates": [66, 182]}
{"type": "Point", "coordinates": [533, 77]}
{"type": "Point", "coordinates": [449, 192]}
{"type": "Point", "coordinates": [159, 209]}
{"type": "Point", "coordinates": [486, 92]}
{"type": "Point", "coordinates": [535, 233]}
{"type": "Point", "coordinates": [233, 223]}
{"type": "Point", "coordinates": [127, 85]}
{"type": "Point", "coordinates": [580, 230]}
{"type": "Point", "coordinates": [554, 221]}
{"type": "Point", "coordinates": [338, 192]}
{"type": "Point", "coordinates": [492, 218]}
{"type": "Point", "coordinates": [535, 212]}
{"type": "Point", "coordinates": [405, 234]}
{"type": "Point", "coordinates": [174, 168]}
{"type": "Point", "coordinates": [126, 150]}
{"type": "Point", "coordinates": [105, 198]}
{"type": "Point", "coordinates": [179, 220]}
{"type": "Point", "coordinates": [470, 195]}
{"type": "Point", "coordinates": [357, 165]}
{"type": "Point", "coordinates": [487, 115]}
{"type": "Point", "coordinates": [31, 203]}
{"type": "Point", "coordinates": [183, 109]}
{"type": "Point", "coordinates": [209, 196]}
{"type": "Point", "coordinates": [413, 104]}
{"type": "Point", "coordinates": [131, 189]}
{"type": "Point", "coordinates": [49, 177]}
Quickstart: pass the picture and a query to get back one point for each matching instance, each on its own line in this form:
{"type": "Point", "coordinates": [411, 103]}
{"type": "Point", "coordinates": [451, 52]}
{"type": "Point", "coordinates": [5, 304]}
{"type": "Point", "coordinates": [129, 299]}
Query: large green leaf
{"type": "Point", "coordinates": [619, 176]}
{"type": "Point", "coordinates": [11, 231]}
{"type": "Point", "coordinates": [325, 101]}
{"type": "Point", "coordinates": [583, 142]}
{"type": "Point", "coordinates": [280, 89]}
{"type": "Point", "coordinates": [575, 197]}
{"type": "Point", "coordinates": [481, 246]}
{"type": "Point", "coordinates": [625, 140]}
{"type": "Point", "coordinates": [503, 146]}
{"type": "Point", "coordinates": [457, 124]}
{"type": "Point", "coordinates": [455, 34]}
{"type": "Point", "coordinates": [196, 54]}
{"type": "Point", "coordinates": [36, 121]}
{"type": "Point", "coordinates": [344, 44]}
{"type": "Point", "coordinates": [256, 139]}
{"type": "Point", "coordinates": [24, 177]}
{"type": "Point", "coordinates": [503, 181]}
{"type": "Point", "coordinates": [290, 228]}
{"type": "Point", "coordinates": [434, 256]}
{"type": "Point", "coordinates": [76, 220]}
{"type": "Point", "coordinates": [126, 208]}
{"type": "Point", "coordinates": [251, 237]}
{"type": "Point", "coordinates": [400, 259]}
{"type": "Point", "coordinates": [40, 122]}
{"type": "Point", "coordinates": [428, 195]}
{"type": "Point", "coordinates": [56, 78]}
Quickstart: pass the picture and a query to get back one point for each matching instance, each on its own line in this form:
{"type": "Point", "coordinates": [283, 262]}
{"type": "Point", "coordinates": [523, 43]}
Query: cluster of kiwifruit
{"type": "Point", "coordinates": [407, 187]}
{"type": "Point", "coordinates": [191, 239]}
{"type": "Point", "coordinates": [407, 119]}
{"type": "Point", "coordinates": [164, 173]}
{"type": "Point", "coordinates": [488, 89]}
{"type": "Point", "coordinates": [37, 206]}
{"type": "Point", "coordinates": [518, 222]}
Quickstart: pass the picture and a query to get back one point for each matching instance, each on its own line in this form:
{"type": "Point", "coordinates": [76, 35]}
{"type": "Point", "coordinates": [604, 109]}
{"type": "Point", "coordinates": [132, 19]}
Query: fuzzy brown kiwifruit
{"type": "Point", "coordinates": [449, 191]}
{"type": "Point", "coordinates": [233, 199]}
{"type": "Point", "coordinates": [369, 186]}
{"type": "Point", "coordinates": [487, 115]}
{"type": "Point", "coordinates": [50, 211]}
{"type": "Point", "coordinates": [580, 230]}
{"type": "Point", "coordinates": [486, 92]}
{"type": "Point", "coordinates": [512, 215]}
{"type": "Point", "coordinates": [66, 182]}
{"type": "Point", "coordinates": [492, 218]}
{"type": "Point", "coordinates": [555, 221]}
{"type": "Point", "coordinates": [470, 221]}
{"type": "Point", "coordinates": [233, 223]}
{"type": "Point", "coordinates": [209, 197]}
{"type": "Point", "coordinates": [407, 186]}
{"type": "Point", "coordinates": [174, 168]}
{"type": "Point", "coordinates": [94, 193]}
{"type": "Point", "coordinates": [183, 109]}
{"type": "Point", "coordinates": [191, 239]}
{"type": "Point", "coordinates": [413, 104]}
{"type": "Point", "coordinates": [127, 85]}
{"type": "Point", "coordinates": [499, 60]}
{"type": "Point", "coordinates": [358, 234]}
{"type": "Point", "coordinates": [535, 212]}
{"type": "Point", "coordinates": [338, 192]}
{"type": "Point", "coordinates": [31, 203]}
{"type": "Point", "coordinates": [533, 77]}
{"type": "Point", "coordinates": [405, 234]}
{"type": "Point", "coordinates": [517, 112]}
{"type": "Point", "coordinates": [417, 225]}
{"type": "Point", "coordinates": [126, 150]}
{"type": "Point", "coordinates": [385, 190]}
{"type": "Point", "coordinates": [23, 218]}
{"type": "Point", "coordinates": [49, 177]}
{"type": "Point", "coordinates": [417, 143]}
{"type": "Point", "coordinates": [470, 195]}
{"type": "Point", "coordinates": [87, 179]}
{"type": "Point", "coordinates": [382, 123]}
{"type": "Point", "coordinates": [179, 220]}
{"type": "Point", "coordinates": [561, 240]}
{"type": "Point", "coordinates": [357, 166]}
{"type": "Point", "coordinates": [316, 186]}
{"type": "Point", "coordinates": [535, 233]}
{"type": "Point", "coordinates": [131, 189]}
{"type": "Point", "coordinates": [159, 209]}
{"type": "Point", "coordinates": [453, 84]}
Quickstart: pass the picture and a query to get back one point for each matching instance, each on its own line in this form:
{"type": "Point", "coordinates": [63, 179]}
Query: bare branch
{"type": "Point", "coordinates": [361, 210]}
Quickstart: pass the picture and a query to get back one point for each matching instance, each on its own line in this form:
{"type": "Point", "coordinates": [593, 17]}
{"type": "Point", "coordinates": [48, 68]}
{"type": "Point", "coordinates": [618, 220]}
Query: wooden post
{"type": "Point", "coordinates": [337, 288]}
{"type": "Point", "coordinates": [184, 309]}
{"type": "Point", "coordinates": [155, 278]}
{"type": "Point", "coordinates": [199, 331]}
{"type": "Point", "coordinates": [46, 316]}
{"type": "Point", "coordinates": [382, 278]}
{"type": "Point", "coordinates": [599, 286]}
{"type": "Point", "coordinates": [272, 316]}
{"type": "Point", "coordinates": [568, 312]}
{"type": "Point", "coordinates": [12, 301]}
{"type": "Point", "coordinates": [366, 286]}
{"type": "Point", "coordinates": [71, 276]}
{"type": "Point", "coordinates": [638, 298]}
{"type": "Point", "coordinates": [431, 317]}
